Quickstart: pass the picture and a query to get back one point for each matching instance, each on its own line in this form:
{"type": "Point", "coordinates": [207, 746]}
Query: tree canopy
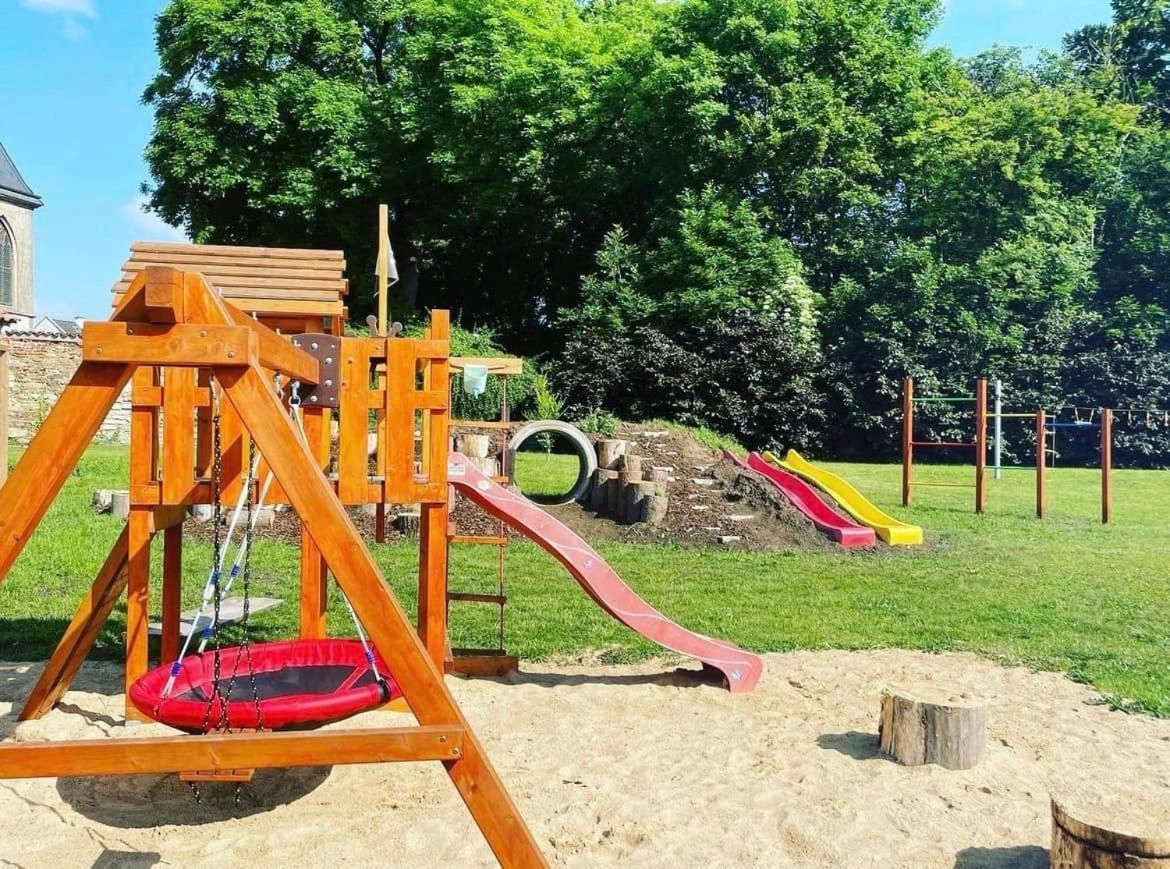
{"type": "Point", "coordinates": [753, 214]}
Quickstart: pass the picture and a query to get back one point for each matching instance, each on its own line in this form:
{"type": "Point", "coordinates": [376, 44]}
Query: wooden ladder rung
{"type": "Point", "coordinates": [479, 540]}
{"type": "Point", "coordinates": [471, 597]}
{"type": "Point", "coordinates": [217, 775]}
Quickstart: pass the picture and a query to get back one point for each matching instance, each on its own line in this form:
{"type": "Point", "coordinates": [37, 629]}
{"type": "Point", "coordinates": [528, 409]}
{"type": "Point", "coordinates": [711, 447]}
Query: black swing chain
{"type": "Point", "coordinates": [223, 723]}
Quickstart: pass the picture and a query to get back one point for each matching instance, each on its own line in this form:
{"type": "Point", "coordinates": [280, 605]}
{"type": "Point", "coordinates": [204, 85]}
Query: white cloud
{"type": "Point", "coordinates": [152, 227]}
{"type": "Point", "coordinates": [73, 11]}
{"type": "Point", "coordinates": [63, 7]}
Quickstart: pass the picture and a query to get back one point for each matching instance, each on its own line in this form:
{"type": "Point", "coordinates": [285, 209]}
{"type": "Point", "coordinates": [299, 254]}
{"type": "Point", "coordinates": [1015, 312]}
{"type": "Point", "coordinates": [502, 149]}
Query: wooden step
{"type": "Point", "coordinates": [217, 775]}
{"type": "Point", "coordinates": [471, 597]}
{"type": "Point", "coordinates": [479, 540]}
{"type": "Point", "coordinates": [483, 662]}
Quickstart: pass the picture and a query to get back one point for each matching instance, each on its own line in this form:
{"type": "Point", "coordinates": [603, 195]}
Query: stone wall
{"type": "Point", "coordinates": [39, 368]}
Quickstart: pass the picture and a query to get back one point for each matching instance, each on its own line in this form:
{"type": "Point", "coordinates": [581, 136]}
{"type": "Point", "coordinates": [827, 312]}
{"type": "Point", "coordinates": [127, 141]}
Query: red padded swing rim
{"type": "Point", "coordinates": [187, 713]}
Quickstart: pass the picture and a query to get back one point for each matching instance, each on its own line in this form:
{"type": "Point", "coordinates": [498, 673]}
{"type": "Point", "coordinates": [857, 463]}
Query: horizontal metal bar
{"type": "Point", "coordinates": [957, 399]}
{"type": "Point", "coordinates": [942, 444]}
{"type": "Point", "coordinates": [943, 485]}
{"type": "Point", "coordinates": [1013, 468]}
{"type": "Point", "coordinates": [1011, 416]}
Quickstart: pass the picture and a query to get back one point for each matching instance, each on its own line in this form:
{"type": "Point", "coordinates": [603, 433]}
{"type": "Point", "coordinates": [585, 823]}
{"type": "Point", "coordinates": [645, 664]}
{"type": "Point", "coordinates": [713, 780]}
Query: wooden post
{"type": "Point", "coordinates": [1041, 461]}
{"type": "Point", "coordinates": [432, 575]}
{"type": "Point", "coordinates": [138, 603]}
{"type": "Point", "coordinates": [172, 591]}
{"type": "Point", "coordinates": [1106, 465]}
{"type": "Point", "coordinates": [4, 406]}
{"type": "Point", "coordinates": [314, 572]}
{"type": "Point", "coordinates": [907, 439]}
{"type": "Point", "coordinates": [980, 444]}
{"type": "Point", "coordinates": [314, 589]}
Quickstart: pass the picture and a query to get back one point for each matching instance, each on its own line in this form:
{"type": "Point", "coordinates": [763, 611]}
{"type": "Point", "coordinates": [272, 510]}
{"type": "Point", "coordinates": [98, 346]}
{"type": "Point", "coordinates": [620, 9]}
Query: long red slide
{"type": "Point", "coordinates": [741, 670]}
{"type": "Point", "coordinates": [805, 499]}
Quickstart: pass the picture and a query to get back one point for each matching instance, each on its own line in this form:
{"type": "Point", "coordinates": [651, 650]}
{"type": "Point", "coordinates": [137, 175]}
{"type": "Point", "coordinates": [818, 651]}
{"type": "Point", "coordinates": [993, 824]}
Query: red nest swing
{"type": "Point", "coordinates": [298, 683]}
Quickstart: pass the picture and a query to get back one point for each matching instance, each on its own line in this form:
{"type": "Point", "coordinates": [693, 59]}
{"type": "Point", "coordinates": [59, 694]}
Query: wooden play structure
{"type": "Point", "coordinates": [211, 379]}
{"type": "Point", "coordinates": [978, 443]}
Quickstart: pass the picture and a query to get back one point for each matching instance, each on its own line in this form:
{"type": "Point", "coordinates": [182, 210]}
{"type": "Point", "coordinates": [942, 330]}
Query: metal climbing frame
{"type": "Point", "coordinates": [979, 444]}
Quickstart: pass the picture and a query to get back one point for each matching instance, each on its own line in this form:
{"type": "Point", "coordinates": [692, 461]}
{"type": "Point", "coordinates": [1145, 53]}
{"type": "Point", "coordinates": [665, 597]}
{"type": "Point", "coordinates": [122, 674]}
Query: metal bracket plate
{"type": "Point", "coordinates": [326, 349]}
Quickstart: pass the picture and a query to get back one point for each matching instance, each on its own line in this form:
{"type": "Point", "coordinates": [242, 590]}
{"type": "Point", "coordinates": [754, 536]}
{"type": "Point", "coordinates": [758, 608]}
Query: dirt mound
{"type": "Point", "coordinates": [712, 502]}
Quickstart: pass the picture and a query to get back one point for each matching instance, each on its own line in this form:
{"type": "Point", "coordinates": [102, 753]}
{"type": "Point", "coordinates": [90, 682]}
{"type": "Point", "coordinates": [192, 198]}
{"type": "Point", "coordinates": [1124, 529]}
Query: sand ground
{"type": "Point", "coordinates": [641, 765]}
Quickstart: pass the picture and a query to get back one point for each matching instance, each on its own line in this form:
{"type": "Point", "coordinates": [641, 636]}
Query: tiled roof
{"type": "Point", "coordinates": [13, 186]}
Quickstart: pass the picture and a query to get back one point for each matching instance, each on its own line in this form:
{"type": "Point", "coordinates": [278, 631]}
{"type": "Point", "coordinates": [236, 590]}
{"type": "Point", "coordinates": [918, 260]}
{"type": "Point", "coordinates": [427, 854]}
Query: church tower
{"type": "Point", "coordinates": [17, 204]}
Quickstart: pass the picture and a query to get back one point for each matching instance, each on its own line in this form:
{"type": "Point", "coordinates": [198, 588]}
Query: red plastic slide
{"type": "Point", "coordinates": [741, 670]}
{"type": "Point", "coordinates": [805, 499]}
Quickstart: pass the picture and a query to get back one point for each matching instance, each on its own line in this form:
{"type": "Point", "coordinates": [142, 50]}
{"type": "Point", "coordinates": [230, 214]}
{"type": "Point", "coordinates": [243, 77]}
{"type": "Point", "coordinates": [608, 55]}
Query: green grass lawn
{"type": "Point", "coordinates": [1064, 594]}
{"type": "Point", "coordinates": [546, 475]}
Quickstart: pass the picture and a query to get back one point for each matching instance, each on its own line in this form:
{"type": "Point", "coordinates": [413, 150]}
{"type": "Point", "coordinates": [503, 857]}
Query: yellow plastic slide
{"type": "Point", "coordinates": [849, 499]}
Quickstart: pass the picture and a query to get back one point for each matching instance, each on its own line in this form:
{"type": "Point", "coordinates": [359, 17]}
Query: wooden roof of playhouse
{"type": "Point", "coordinates": [273, 283]}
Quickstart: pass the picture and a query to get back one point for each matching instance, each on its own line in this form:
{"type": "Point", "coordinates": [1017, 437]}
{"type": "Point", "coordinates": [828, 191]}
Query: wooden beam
{"type": "Point", "coordinates": [1106, 465]}
{"type": "Point", "coordinates": [75, 644]}
{"type": "Point", "coordinates": [907, 440]}
{"type": "Point", "coordinates": [164, 294]}
{"type": "Point", "coordinates": [506, 365]}
{"type": "Point", "coordinates": [390, 631]}
{"type": "Point", "coordinates": [227, 751]}
{"type": "Point", "coordinates": [172, 592]}
{"type": "Point", "coordinates": [137, 603]}
{"type": "Point", "coordinates": [980, 444]}
{"type": "Point", "coordinates": [54, 452]}
{"type": "Point", "coordinates": [192, 346]}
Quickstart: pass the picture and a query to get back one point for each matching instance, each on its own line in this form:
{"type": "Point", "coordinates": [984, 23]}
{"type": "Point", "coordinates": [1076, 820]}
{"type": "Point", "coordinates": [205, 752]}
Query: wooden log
{"type": "Point", "coordinates": [474, 446]}
{"type": "Point", "coordinates": [926, 724]}
{"type": "Point", "coordinates": [632, 465]}
{"type": "Point", "coordinates": [407, 523]}
{"type": "Point", "coordinates": [654, 509]}
{"type": "Point", "coordinates": [610, 452]}
{"type": "Point", "coordinates": [658, 475]}
{"type": "Point", "coordinates": [1111, 830]}
{"type": "Point", "coordinates": [624, 479]}
{"type": "Point", "coordinates": [636, 495]}
{"type": "Point", "coordinates": [603, 479]}
{"type": "Point", "coordinates": [120, 504]}
{"type": "Point", "coordinates": [612, 495]}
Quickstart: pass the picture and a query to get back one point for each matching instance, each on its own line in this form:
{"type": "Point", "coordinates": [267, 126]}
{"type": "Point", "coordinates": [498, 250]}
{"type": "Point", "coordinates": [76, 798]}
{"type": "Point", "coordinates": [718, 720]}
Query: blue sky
{"type": "Point", "coordinates": [71, 117]}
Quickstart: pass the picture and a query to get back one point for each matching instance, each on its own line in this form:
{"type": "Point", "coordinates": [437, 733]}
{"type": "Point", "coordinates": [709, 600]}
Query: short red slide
{"type": "Point", "coordinates": [741, 670]}
{"type": "Point", "coordinates": [807, 500]}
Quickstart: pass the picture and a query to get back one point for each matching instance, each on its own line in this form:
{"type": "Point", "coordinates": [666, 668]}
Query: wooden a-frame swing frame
{"type": "Point", "coordinates": [169, 318]}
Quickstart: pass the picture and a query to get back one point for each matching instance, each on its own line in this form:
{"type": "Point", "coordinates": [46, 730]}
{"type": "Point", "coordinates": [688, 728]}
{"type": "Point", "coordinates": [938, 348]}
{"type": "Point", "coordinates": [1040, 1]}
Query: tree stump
{"type": "Point", "coordinates": [473, 446]}
{"type": "Point", "coordinates": [120, 504]}
{"type": "Point", "coordinates": [929, 725]}
{"type": "Point", "coordinates": [407, 522]}
{"type": "Point", "coordinates": [602, 481]}
{"type": "Point", "coordinates": [658, 475]}
{"type": "Point", "coordinates": [621, 500]}
{"type": "Point", "coordinates": [633, 465]}
{"type": "Point", "coordinates": [636, 495]}
{"type": "Point", "coordinates": [609, 453]}
{"type": "Point", "coordinates": [654, 509]}
{"type": "Point", "coordinates": [1110, 830]}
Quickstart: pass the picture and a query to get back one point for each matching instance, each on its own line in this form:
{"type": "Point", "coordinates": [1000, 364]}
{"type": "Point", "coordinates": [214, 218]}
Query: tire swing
{"type": "Point", "coordinates": [581, 446]}
{"type": "Point", "coordinates": [293, 684]}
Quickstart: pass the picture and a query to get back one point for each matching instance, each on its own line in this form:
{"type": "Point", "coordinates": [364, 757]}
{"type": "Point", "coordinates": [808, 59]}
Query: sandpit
{"type": "Point", "coordinates": [641, 765]}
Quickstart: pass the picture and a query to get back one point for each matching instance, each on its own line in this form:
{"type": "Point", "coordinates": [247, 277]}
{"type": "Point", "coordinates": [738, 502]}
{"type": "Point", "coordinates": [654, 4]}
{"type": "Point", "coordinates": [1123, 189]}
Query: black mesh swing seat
{"type": "Point", "coordinates": [297, 683]}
